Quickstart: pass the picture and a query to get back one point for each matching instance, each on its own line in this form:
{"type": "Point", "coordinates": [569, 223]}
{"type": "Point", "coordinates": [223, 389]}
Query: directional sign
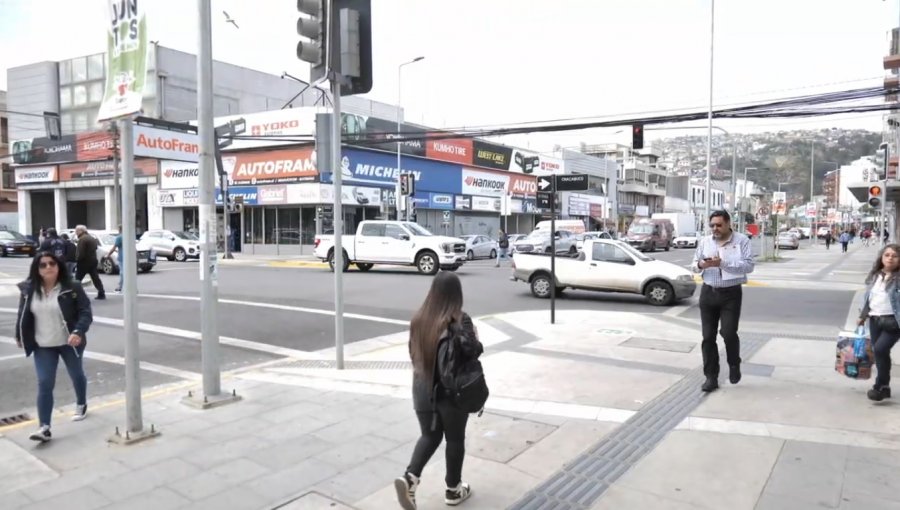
{"type": "Point", "coordinates": [543, 200]}
{"type": "Point", "coordinates": [574, 182]}
{"type": "Point", "coordinates": [545, 184]}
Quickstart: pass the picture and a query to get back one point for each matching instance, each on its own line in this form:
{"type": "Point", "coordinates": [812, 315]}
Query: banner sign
{"type": "Point", "coordinates": [779, 202]}
{"type": "Point", "coordinates": [811, 210]}
{"type": "Point", "coordinates": [126, 60]}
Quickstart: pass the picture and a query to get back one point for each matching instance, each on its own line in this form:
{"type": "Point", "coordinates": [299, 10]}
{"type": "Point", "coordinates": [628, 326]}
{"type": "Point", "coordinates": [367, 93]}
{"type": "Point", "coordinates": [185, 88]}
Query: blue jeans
{"type": "Point", "coordinates": [502, 253]}
{"type": "Point", "coordinates": [46, 360]}
{"type": "Point", "coordinates": [121, 275]}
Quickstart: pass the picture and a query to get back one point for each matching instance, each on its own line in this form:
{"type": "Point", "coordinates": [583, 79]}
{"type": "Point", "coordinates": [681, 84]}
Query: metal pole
{"type": "Point", "coordinates": [399, 168]}
{"type": "Point", "coordinates": [133, 415]}
{"type": "Point", "coordinates": [712, 40]}
{"type": "Point", "coordinates": [117, 183]}
{"type": "Point", "coordinates": [226, 221]}
{"type": "Point", "coordinates": [734, 176]}
{"type": "Point", "coordinates": [553, 252]}
{"type": "Point", "coordinates": [884, 203]}
{"type": "Point", "coordinates": [338, 221]}
{"type": "Point", "coordinates": [208, 274]}
{"type": "Point", "coordinates": [812, 166]}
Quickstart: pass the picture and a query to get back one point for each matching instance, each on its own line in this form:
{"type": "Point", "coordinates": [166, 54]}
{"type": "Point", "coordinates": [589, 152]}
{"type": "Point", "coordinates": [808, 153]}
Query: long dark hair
{"type": "Point", "coordinates": [878, 266]}
{"type": "Point", "coordinates": [34, 274]}
{"type": "Point", "coordinates": [442, 306]}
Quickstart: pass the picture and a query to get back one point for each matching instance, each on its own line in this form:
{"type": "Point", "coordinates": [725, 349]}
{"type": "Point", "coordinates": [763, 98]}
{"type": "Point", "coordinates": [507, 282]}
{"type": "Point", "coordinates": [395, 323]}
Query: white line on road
{"type": "Point", "coordinates": [287, 308]}
{"type": "Point", "coordinates": [118, 360]}
{"type": "Point", "coordinates": [675, 311]}
{"type": "Point", "coordinates": [12, 356]}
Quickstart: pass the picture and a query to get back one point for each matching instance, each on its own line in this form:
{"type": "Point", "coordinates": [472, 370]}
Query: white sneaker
{"type": "Point", "coordinates": [42, 434]}
{"type": "Point", "coordinates": [458, 494]}
{"type": "Point", "coordinates": [80, 413]}
{"type": "Point", "coordinates": [406, 486]}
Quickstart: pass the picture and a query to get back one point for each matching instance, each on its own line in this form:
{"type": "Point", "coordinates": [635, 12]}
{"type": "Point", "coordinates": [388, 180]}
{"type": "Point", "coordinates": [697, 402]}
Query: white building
{"type": "Point", "coordinates": [861, 170]}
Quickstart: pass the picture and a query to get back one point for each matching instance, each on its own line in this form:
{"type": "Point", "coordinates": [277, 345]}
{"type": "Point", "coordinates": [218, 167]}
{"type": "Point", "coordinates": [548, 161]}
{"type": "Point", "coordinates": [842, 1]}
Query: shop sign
{"type": "Point", "coordinates": [248, 194]}
{"type": "Point", "coordinates": [476, 182]}
{"type": "Point", "coordinates": [104, 170]}
{"type": "Point", "coordinates": [456, 150]}
{"type": "Point", "coordinates": [597, 211]}
{"type": "Point", "coordinates": [373, 128]}
{"type": "Point", "coordinates": [485, 204]}
{"type": "Point", "coordinates": [158, 143]}
{"type": "Point", "coordinates": [305, 193]}
{"type": "Point", "coordinates": [491, 155]}
{"type": "Point", "coordinates": [352, 195]}
{"type": "Point", "coordinates": [420, 202]}
{"type": "Point", "coordinates": [179, 175]}
{"type": "Point", "coordinates": [379, 169]}
{"type": "Point", "coordinates": [579, 205]}
{"type": "Point", "coordinates": [191, 196]}
{"type": "Point", "coordinates": [36, 174]}
{"type": "Point", "coordinates": [95, 145]}
{"type": "Point", "coordinates": [522, 185]}
{"type": "Point", "coordinates": [440, 201]}
{"type": "Point", "coordinates": [44, 150]}
{"type": "Point", "coordinates": [270, 167]}
{"type": "Point", "coordinates": [626, 208]}
{"type": "Point", "coordinates": [463, 203]}
{"type": "Point", "coordinates": [267, 195]}
{"type": "Point", "coordinates": [278, 125]}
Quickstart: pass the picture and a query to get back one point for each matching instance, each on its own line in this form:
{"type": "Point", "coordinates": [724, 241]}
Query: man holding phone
{"type": "Point", "coordinates": [724, 259]}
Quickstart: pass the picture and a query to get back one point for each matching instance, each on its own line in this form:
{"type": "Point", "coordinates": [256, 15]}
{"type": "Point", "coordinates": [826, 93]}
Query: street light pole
{"type": "Point", "coordinates": [712, 41]}
{"type": "Point", "coordinates": [744, 194]}
{"type": "Point", "coordinates": [399, 102]}
{"type": "Point", "coordinates": [812, 177]}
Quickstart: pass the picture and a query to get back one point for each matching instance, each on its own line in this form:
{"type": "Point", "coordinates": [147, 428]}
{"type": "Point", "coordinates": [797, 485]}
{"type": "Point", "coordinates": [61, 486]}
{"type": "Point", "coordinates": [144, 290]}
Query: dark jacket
{"type": "Point", "coordinates": [471, 347]}
{"type": "Point", "coordinates": [504, 240]}
{"type": "Point", "coordinates": [71, 251]}
{"type": "Point", "coordinates": [86, 253]}
{"type": "Point", "coordinates": [75, 307]}
{"type": "Point", "coordinates": [55, 245]}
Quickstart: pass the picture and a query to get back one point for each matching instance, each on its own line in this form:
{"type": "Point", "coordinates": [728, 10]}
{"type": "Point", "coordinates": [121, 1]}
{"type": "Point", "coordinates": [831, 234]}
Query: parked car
{"type": "Point", "coordinates": [539, 241]}
{"type": "Point", "coordinates": [479, 246]}
{"type": "Point", "coordinates": [513, 238]}
{"type": "Point", "coordinates": [581, 238]}
{"type": "Point", "coordinates": [798, 232]}
{"type": "Point", "coordinates": [650, 234]}
{"type": "Point", "coordinates": [688, 240]}
{"type": "Point", "coordinates": [399, 243]}
{"type": "Point", "coordinates": [106, 239]}
{"type": "Point", "coordinates": [788, 240]}
{"type": "Point", "coordinates": [607, 266]}
{"type": "Point", "coordinates": [173, 244]}
{"type": "Point", "coordinates": [822, 231]}
{"type": "Point", "coordinates": [14, 243]}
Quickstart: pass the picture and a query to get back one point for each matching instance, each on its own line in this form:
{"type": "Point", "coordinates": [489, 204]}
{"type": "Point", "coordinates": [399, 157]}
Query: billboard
{"type": "Point", "coordinates": [280, 166]}
{"type": "Point", "coordinates": [380, 169]}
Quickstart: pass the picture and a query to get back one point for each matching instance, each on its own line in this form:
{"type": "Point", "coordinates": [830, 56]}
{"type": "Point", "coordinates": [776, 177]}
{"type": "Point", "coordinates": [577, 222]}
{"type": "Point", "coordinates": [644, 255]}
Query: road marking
{"type": "Point", "coordinates": [287, 308]}
{"type": "Point", "coordinates": [118, 360]}
{"type": "Point", "coordinates": [675, 311]}
{"type": "Point", "coordinates": [12, 356]}
{"type": "Point", "coordinates": [195, 335]}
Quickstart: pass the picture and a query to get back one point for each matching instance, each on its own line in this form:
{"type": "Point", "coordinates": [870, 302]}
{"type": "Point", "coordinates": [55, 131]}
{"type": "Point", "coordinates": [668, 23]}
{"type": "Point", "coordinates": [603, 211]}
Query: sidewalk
{"type": "Point", "coordinates": [602, 410]}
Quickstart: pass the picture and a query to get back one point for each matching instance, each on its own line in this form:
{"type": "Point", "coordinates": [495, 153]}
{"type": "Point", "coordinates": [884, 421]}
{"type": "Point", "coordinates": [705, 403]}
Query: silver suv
{"type": "Point", "coordinates": [173, 245]}
{"type": "Point", "coordinates": [539, 242]}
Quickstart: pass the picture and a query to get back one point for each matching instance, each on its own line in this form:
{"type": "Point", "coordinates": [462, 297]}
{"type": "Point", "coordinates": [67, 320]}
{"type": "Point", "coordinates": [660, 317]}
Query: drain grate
{"type": "Point", "coordinates": [14, 419]}
{"type": "Point", "coordinates": [578, 485]}
{"type": "Point", "coordinates": [350, 364]}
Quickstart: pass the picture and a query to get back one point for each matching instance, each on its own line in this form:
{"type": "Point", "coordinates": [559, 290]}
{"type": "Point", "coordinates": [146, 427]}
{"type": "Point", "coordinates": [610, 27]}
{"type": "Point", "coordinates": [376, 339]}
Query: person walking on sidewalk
{"type": "Point", "coordinates": [881, 307]}
{"type": "Point", "coordinates": [828, 240]}
{"type": "Point", "coordinates": [86, 260]}
{"type": "Point", "coordinates": [54, 316]}
{"type": "Point", "coordinates": [54, 244]}
{"type": "Point", "coordinates": [724, 259]}
{"type": "Point", "coordinates": [440, 314]}
{"type": "Point", "coordinates": [503, 244]}
{"type": "Point", "coordinates": [844, 240]}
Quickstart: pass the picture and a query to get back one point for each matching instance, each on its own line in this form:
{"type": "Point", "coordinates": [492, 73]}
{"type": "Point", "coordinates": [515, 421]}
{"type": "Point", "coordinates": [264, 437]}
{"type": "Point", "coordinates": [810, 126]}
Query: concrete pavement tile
{"type": "Point", "coordinates": [351, 428]}
{"type": "Point", "coordinates": [314, 501]}
{"type": "Point", "coordinates": [500, 438]}
{"type": "Point", "coordinates": [160, 498]}
{"type": "Point", "coordinates": [494, 486]}
{"type": "Point", "coordinates": [200, 486]}
{"type": "Point", "coordinates": [401, 431]}
{"type": "Point", "coordinates": [233, 412]}
{"type": "Point", "coordinates": [770, 501]}
{"type": "Point", "coordinates": [618, 498]}
{"type": "Point", "coordinates": [682, 467]}
{"type": "Point", "coordinates": [239, 471]}
{"type": "Point", "coordinates": [213, 455]}
{"type": "Point", "coordinates": [68, 452]}
{"type": "Point", "coordinates": [293, 481]}
{"type": "Point", "coordinates": [553, 452]}
{"type": "Point", "coordinates": [84, 475]}
{"type": "Point", "coordinates": [237, 498]}
{"type": "Point", "coordinates": [187, 426]}
{"type": "Point", "coordinates": [240, 428]}
{"type": "Point", "coordinates": [890, 458]}
{"type": "Point", "coordinates": [19, 468]}
{"type": "Point", "coordinates": [404, 452]}
{"type": "Point", "coordinates": [873, 480]}
{"type": "Point", "coordinates": [360, 481]}
{"type": "Point", "coordinates": [85, 498]}
{"type": "Point", "coordinates": [863, 502]}
{"type": "Point", "coordinates": [156, 449]}
{"type": "Point", "coordinates": [14, 500]}
{"type": "Point", "coordinates": [128, 485]}
{"type": "Point", "coordinates": [810, 473]}
{"type": "Point", "coordinates": [353, 452]}
{"type": "Point", "coordinates": [392, 412]}
{"type": "Point", "coordinates": [528, 376]}
{"type": "Point", "coordinates": [287, 413]}
{"type": "Point", "coordinates": [290, 453]}
{"type": "Point", "coordinates": [788, 352]}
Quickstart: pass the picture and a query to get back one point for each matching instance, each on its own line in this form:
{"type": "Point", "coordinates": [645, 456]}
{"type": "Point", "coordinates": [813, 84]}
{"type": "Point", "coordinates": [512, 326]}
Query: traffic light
{"type": "Point", "coordinates": [407, 184]}
{"type": "Point", "coordinates": [875, 195]}
{"type": "Point", "coordinates": [881, 159]}
{"type": "Point", "coordinates": [314, 28]}
{"type": "Point", "coordinates": [637, 136]}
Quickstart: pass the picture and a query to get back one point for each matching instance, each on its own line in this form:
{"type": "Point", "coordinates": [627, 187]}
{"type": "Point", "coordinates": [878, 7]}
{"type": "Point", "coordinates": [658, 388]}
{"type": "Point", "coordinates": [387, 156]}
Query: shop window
{"type": "Point", "coordinates": [80, 122]}
{"type": "Point", "coordinates": [65, 121]}
{"type": "Point", "coordinates": [253, 225]}
{"type": "Point", "coordinates": [289, 225]}
{"type": "Point", "coordinates": [9, 177]}
{"type": "Point", "coordinates": [79, 95]}
{"type": "Point", "coordinates": [4, 130]}
{"type": "Point", "coordinates": [270, 224]}
{"type": "Point", "coordinates": [79, 69]}
{"type": "Point", "coordinates": [95, 67]}
{"type": "Point", "coordinates": [65, 98]}
{"type": "Point", "coordinates": [65, 72]}
{"type": "Point", "coordinates": [96, 92]}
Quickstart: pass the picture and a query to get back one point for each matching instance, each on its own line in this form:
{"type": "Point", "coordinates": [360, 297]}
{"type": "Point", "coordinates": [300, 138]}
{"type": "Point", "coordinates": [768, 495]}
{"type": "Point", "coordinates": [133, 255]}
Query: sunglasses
{"type": "Point", "coordinates": [45, 265]}
{"type": "Point", "coordinates": [714, 225]}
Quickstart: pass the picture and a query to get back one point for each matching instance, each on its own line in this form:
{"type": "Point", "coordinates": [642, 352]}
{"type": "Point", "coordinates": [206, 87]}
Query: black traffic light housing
{"type": "Point", "coordinates": [637, 136]}
{"type": "Point", "coordinates": [341, 38]}
{"type": "Point", "coordinates": [876, 195]}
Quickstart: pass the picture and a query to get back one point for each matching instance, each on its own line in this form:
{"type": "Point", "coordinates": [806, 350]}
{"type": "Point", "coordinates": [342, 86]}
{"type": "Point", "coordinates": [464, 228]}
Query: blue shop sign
{"type": "Point", "coordinates": [379, 169]}
{"type": "Point", "coordinates": [440, 201]}
{"type": "Point", "coordinates": [247, 193]}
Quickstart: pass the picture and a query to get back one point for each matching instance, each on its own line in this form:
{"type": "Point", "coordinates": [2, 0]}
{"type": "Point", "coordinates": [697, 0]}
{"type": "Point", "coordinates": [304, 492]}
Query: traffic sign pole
{"type": "Point", "coordinates": [553, 258]}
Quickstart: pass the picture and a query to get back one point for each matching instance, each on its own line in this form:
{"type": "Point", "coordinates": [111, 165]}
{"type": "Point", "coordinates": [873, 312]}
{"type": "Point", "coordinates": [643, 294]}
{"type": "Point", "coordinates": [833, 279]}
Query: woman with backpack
{"type": "Point", "coordinates": [438, 322]}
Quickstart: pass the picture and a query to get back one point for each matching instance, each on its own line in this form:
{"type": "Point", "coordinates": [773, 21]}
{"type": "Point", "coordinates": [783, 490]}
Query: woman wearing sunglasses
{"type": "Point", "coordinates": [54, 315]}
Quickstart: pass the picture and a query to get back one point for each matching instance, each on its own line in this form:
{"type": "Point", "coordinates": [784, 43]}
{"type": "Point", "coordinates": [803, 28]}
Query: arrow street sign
{"type": "Point", "coordinates": [574, 182]}
{"type": "Point", "coordinates": [545, 183]}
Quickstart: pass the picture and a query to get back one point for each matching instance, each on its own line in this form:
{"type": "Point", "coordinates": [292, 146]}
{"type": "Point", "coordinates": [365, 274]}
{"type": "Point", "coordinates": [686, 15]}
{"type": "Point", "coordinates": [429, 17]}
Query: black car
{"type": "Point", "coordinates": [14, 243]}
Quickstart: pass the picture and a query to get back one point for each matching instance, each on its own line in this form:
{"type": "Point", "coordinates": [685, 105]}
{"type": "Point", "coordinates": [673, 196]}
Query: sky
{"type": "Point", "coordinates": [499, 62]}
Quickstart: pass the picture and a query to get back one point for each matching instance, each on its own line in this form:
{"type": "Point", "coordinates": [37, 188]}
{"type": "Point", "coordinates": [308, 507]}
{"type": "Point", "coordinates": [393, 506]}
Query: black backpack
{"type": "Point", "coordinates": [461, 379]}
{"type": "Point", "coordinates": [58, 248]}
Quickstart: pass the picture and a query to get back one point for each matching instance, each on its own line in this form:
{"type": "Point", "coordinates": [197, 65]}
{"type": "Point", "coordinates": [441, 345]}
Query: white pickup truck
{"type": "Point", "coordinates": [398, 243]}
{"type": "Point", "coordinates": [608, 266]}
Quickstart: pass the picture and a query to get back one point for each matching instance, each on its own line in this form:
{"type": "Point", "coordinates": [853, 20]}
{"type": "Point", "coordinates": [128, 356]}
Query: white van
{"type": "Point", "coordinates": [573, 226]}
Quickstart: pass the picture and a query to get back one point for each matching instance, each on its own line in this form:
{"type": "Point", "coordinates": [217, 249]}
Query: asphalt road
{"type": "Point", "coordinates": [267, 308]}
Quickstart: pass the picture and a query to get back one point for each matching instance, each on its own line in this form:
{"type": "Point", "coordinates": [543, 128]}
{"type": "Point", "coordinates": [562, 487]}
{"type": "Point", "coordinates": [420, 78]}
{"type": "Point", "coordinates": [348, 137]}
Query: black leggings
{"type": "Point", "coordinates": [450, 424]}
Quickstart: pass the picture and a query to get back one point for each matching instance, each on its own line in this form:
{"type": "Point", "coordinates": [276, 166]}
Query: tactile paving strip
{"type": "Point", "coordinates": [578, 485]}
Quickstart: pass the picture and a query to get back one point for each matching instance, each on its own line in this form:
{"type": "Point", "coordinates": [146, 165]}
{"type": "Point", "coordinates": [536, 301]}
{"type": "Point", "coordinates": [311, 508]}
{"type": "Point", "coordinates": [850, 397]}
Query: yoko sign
{"type": "Point", "coordinates": [126, 59]}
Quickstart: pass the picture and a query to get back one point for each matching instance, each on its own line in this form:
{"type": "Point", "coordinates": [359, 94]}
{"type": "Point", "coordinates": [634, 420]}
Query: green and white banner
{"type": "Point", "coordinates": [126, 59]}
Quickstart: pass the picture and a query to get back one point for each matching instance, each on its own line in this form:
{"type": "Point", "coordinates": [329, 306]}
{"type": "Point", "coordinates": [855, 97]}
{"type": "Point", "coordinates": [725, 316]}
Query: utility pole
{"type": "Point", "coordinates": [812, 177]}
{"type": "Point", "coordinates": [712, 44]}
{"type": "Point", "coordinates": [209, 344]}
{"type": "Point", "coordinates": [335, 69]}
{"type": "Point", "coordinates": [117, 183]}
